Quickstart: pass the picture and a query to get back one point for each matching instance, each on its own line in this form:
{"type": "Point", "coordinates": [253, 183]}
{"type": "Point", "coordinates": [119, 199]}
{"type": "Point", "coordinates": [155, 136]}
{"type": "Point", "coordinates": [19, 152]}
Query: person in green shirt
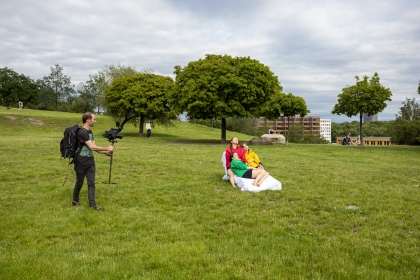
{"type": "Point", "coordinates": [243, 170]}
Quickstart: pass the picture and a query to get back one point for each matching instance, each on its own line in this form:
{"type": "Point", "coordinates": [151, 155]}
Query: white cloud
{"type": "Point", "coordinates": [315, 48]}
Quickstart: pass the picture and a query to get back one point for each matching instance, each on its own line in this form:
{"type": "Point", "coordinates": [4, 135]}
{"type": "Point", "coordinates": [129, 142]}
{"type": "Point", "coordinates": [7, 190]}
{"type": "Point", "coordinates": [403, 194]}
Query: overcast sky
{"type": "Point", "coordinates": [315, 48]}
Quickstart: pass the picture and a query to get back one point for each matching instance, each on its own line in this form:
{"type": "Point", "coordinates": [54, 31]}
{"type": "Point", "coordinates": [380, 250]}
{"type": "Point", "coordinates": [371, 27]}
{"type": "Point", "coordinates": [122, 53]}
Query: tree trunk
{"type": "Point", "coordinates": [360, 130]}
{"type": "Point", "coordinates": [223, 140]}
{"type": "Point", "coordinates": [141, 124]}
{"type": "Point", "coordinates": [288, 130]}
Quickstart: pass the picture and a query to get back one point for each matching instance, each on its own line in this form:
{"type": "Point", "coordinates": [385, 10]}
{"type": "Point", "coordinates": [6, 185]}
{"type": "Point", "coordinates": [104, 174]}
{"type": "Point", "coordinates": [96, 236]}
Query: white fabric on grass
{"type": "Point", "coordinates": [246, 184]}
{"type": "Point", "coordinates": [226, 176]}
{"type": "Point", "coordinates": [269, 184]}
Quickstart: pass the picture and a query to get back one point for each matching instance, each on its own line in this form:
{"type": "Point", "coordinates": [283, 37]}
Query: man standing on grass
{"type": "Point", "coordinates": [20, 105]}
{"type": "Point", "coordinates": [234, 148]}
{"type": "Point", "coordinates": [148, 128]}
{"type": "Point", "coordinates": [84, 163]}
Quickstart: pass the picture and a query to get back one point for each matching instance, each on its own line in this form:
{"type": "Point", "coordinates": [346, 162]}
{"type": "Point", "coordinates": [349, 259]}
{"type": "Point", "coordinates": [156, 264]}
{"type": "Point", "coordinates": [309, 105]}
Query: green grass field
{"type": "Point", "coordinates": [170, 216]}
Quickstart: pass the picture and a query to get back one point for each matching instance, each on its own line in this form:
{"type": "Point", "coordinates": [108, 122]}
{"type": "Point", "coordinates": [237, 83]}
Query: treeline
{"type": "Point", "coordinates": [216, 87]}
{"type": "Point", "coordinates": [202, 90]}
{"type": "Point", "coordinates": [404, 130]}
{"type": "Point", "coordinates": [56, 92]}
{"type": "Point", "coordinates": [377, 129]}
{"type": "Point", "coordinates": [250, 126]}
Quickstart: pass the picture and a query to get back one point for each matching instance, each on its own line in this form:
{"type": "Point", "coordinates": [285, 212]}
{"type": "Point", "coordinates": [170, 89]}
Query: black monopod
{"type": "Point", "coordinates": [110, 164]}
{"type": "Point", "coordinates": [112, 134]}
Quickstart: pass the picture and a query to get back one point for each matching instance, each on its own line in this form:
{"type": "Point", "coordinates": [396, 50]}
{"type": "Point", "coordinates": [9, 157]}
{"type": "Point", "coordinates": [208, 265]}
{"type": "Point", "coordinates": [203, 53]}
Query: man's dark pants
{"type": "Point", "coordinates": [82, 172]}
{"type": "Point", "coordinates": [149, 131]}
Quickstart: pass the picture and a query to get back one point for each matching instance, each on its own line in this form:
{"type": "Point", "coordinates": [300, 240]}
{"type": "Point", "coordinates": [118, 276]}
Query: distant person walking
{"type": "Point", "coordinates": [20, 105]}
{"type": "Point", "coordinates": [148, 128]}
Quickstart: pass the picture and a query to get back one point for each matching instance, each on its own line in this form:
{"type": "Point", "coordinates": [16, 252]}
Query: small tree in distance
{"type": "Point", "coordinates": [366, 96]}
{"type": "Point", "coordinates": [103, 79]}
{"type": "Point", "coordinates": [140, 96]}
{"type": "Point", "coordinates": [288, 105]}
{"type": "Point", "coordinates": [59, 84]}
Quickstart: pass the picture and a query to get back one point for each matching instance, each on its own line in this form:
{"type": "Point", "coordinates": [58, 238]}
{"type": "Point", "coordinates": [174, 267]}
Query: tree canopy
{"type": "Point", "coordinates": [410, 110]}
{"type": "Point", "coordinates": [58, 84]}
{"type": "Point", "coordinates": [15, 87]}
{"type": "Point", "coordinates": [104, 78]}
{"type": "Point", "coordinates": [140, 96]}
{"type": "Point", "coordinates": [222, 86]}
{"type": "Point", "coordinates": [406, 129]}
{"type": "Point", "coordinates": [286, 105]}
{"type": "Point", "coordinates": [366, 96]}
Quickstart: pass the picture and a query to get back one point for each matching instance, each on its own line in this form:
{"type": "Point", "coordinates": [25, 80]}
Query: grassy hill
{"type": "Point", "coordinates": [343, 213]}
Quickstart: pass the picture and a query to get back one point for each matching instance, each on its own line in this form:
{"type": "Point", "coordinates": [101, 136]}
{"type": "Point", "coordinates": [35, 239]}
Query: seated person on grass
{"type": "Point", "coordinates": [357, 141]}
{"type": "Point", "coordinates": [241, 169]}
{"type": "Point", "coordinates": [251, 157]}
{"type": "Point", "coordinates": [346, 140]}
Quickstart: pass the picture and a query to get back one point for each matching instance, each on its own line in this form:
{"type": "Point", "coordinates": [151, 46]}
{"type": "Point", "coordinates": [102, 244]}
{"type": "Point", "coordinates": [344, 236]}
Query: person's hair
{"type": "Point", "coordinates": [86, 116]}
{"type": "Point", "coordinates": [231, 155]}
{"type": "Point", "coordinates": [242, 144]}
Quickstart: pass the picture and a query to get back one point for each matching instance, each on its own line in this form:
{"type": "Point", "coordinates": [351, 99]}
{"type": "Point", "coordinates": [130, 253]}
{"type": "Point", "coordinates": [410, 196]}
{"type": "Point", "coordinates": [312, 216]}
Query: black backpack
{"type": "Point", "coordinates": [69, 145]}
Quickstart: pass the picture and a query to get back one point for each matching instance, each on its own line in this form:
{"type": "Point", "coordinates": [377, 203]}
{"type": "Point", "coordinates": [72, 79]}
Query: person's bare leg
{"type": "Point", "coordinates": [231, 178]}
{"type": "Point", "coordinates": [265, 176]}
{"type": "Point", "coordinates": [260, 175]}
{"type": "Point", "coordinates": [256, 174]}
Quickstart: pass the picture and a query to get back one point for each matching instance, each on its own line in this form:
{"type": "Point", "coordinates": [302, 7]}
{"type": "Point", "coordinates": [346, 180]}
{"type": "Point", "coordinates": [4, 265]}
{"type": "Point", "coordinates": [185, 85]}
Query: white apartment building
{"type": "Point", "coordinates": [325, 129]}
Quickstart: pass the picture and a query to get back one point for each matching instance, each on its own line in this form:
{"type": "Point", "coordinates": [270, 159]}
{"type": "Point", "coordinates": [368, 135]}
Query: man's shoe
{"type": "Point", "coordinates": [75, 203]}
{"type": "Point", "coordinates": [94, 207]}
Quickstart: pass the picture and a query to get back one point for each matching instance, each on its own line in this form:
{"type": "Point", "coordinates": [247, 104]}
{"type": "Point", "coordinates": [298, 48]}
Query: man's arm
{"type": "Point", "coordinates": [99, 149]}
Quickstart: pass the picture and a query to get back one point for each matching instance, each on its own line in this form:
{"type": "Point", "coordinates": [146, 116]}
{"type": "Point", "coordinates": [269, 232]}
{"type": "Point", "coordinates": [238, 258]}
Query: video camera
{"type": "Point", "coordinates": [112, 134]}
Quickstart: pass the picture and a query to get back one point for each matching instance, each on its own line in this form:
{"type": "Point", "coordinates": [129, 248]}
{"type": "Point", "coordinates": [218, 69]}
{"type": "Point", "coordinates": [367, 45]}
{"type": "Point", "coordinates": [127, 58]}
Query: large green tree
{"type": "Point", "coordinates": [106, 76]}
{"type": "Point", "coordinates": [285, 105]}
{"type": "Point", "coordinates": [366, 96]}
{"type": "Point", "coordinates": [140, 96]}
{"type": "Point", "coordinates": [59, 84]}
{"type": "Point", "coordinates": [222, 86]}
{"type": "Point", "coordinates": [15, 87]}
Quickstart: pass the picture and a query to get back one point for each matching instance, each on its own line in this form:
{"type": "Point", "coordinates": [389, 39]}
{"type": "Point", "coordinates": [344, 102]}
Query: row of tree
{"type": "Point", "coordinates": [216, 87]}
{"type": "Point", "coordinates": [404, 130]}
{"type": "Point", "coordinates": [56, 91]}
{"type": "Point", "coordinates": [376, 129]}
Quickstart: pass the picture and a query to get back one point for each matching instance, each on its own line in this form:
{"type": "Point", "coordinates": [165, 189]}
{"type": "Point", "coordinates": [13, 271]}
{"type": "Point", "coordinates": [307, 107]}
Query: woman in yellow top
{"type": "Point", "coordinates": [251, 157]}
